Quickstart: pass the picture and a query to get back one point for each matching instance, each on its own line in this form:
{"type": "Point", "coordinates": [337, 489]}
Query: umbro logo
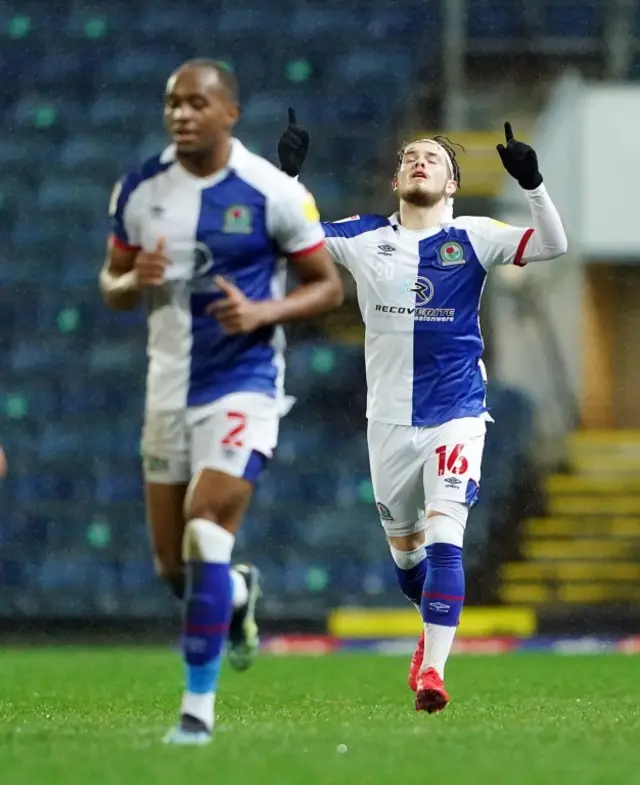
{"type": "Point", "coordinates": [439, 607]}
{"type": "Point", "coordinates": [386, 250]}
{"type": "Point", "coordinates": [157, 211]}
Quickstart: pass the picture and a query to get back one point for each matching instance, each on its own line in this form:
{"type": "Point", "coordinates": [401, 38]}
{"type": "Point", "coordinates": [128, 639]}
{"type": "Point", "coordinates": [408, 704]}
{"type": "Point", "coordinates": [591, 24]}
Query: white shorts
{"type": "Point", "coordinates": [412, 468]}
{"type": "Point", "coordinates": [236, 435]}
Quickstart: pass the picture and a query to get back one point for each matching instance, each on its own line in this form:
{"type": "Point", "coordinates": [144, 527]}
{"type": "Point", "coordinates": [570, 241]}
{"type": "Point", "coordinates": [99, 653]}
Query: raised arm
{"type": "Point", "coordinates": [545, 239]}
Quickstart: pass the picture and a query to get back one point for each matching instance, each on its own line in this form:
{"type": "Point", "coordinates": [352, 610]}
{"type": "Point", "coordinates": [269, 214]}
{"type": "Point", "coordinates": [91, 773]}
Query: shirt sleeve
{"type": "Point", "coordinates": [293, 220]}
{"type": "Point", "coordinates": [341, 240]}
{"type": "Point", "coordinates": [125, 225]}
{"type": "Point", "coordinates": [496, 243]}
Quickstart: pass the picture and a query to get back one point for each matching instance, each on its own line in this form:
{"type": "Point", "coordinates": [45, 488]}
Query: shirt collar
{"type": "Point", "coordinates": [239, 154]}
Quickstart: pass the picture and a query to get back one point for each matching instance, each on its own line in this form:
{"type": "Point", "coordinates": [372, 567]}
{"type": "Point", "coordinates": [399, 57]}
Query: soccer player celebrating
{"type": "Point", "coordinates": [201, 234]}
{"type": "Point", "coordinates": [420, 275]}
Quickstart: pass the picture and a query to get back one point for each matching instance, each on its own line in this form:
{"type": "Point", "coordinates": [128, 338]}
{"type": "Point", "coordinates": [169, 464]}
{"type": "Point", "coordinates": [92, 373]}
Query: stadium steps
{"type": "Point", "coordinates": [587, 550]}
{"type": "Point", "coordinates": [592, 526]}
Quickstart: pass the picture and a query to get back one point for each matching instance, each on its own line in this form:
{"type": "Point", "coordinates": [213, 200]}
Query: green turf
{"type": "Point", "coordinates": [96, 716]}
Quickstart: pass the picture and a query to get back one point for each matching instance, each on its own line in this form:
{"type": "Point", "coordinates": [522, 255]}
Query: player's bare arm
{"type": "Point", "coordinates": [320, 290]}
{"type": "Point", "coordinates": [118, 281]}
{"type": "Point", "coordinates": [129, 270]}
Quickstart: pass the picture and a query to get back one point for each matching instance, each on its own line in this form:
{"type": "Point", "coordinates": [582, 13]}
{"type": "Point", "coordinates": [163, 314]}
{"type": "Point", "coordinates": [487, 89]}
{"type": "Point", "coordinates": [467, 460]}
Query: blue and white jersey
{"type": "Point", "coordinates": [419, 294]}
{"type": "Point", "coordinates": [241, 223]}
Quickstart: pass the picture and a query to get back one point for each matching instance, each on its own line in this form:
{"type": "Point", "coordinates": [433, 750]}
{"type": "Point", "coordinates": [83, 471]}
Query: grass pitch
{"type": "Point", "coordinates": [97, 717]}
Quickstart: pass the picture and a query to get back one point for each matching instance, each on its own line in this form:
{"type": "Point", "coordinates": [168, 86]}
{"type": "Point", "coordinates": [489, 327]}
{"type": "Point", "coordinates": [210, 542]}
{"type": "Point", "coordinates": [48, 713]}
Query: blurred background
{"type": "Point", "coordinates": [554, 544]}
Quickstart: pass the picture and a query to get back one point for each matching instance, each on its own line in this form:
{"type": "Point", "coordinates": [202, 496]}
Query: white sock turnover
{"type": "Point", "coordinates": [239, 589]}
{"type": "Point", "coordinates": [438, 645]}
{"type": "Point", "coordinates": [199, 706]}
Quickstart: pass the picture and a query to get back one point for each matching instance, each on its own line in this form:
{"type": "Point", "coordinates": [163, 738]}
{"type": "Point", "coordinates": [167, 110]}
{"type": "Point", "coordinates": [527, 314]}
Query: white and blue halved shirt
{"type": "Point", "coordinates": [419, 294]}
{"type": "Point", "coordinates": [242, 223]}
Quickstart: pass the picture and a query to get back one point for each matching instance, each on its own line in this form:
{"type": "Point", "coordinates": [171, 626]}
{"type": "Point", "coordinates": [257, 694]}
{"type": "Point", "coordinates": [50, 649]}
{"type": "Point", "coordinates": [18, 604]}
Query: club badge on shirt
{"type": "Point", "coordinates": [237, 220]}
{"type": "Point", "coordinates": [451, 253]}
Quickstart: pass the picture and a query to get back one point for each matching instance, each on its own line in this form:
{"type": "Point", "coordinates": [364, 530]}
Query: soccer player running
{"type": "Point", "coordinates": [201, 234]}
{"type": "Point", "coordinates": [419, 276]}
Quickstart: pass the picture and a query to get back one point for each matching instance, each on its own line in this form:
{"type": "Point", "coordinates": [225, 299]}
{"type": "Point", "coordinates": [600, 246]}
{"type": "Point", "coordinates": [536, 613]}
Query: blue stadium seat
{"type": "Point", "coordinates": [82, 156]}
{"type": "Point", "coordinates": [575, 19]}
{"type": "Point", "coordinates": [494, 19]}
{"type": "Point", "coordinates": [15, 192]}
{"type": "Point", "coordinates": [118, 487]}
{"type": "Point", "coordinates": [146, 68]}
{"type": "Point", "coordinates": [35, 357]}
{"type": "Point", "coordinates": [249, 21]}
{"type": "Point", "coordinates": [366, 63]}
{"type": "Point", "coordinates": [58, 441]}
{"type": "Point", "coordinates": [81, 196]}
{"type": "Point", "coordinates": [311, 22]}
{"type": "Point", "coordinates": [121, 117]}
{"type": "Point", "coordinates": [44, 117]}
{"type": "Point", "coordinates": [264, 109]}
{"type": "Point", "coordinates": [94, 21]}
{"type": "Point", "coordinates": [51, 232]}
{"type": "Point", "coordinates": [67, 71]}
{"type": "Point", "coordinates": [169, 22]}
{"type": "Point", "coordinates": [17, 159]}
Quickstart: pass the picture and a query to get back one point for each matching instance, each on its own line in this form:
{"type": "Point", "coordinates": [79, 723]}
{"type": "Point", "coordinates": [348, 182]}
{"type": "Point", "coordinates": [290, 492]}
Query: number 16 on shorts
{"type": "Point", "coordinates": [451, 461]}
{"type": "Point", "coordinates": [453, 472]}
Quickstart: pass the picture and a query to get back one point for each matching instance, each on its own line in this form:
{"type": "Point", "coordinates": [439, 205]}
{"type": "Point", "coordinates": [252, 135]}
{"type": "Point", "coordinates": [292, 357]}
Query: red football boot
{"type": "Point", "coordinates": [416, 664]}
{"type": "Point", "coordinates": [431, 695]}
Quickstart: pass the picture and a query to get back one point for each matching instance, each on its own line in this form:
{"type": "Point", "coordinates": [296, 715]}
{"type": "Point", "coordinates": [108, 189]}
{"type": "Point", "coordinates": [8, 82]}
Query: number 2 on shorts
{"type": "Point", "coordinates": [234, 435]}
{"type": "Point", "coordinates": [454, 463]}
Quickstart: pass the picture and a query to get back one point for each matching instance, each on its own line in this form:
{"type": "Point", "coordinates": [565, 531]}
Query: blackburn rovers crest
{"type": "Point", "coordinates": [451, 253]}
{"type": "Point", "coordinates": [237, 220]}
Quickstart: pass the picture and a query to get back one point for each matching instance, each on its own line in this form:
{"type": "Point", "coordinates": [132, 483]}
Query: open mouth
{"type": "Point", "coordinates": [419, 176]}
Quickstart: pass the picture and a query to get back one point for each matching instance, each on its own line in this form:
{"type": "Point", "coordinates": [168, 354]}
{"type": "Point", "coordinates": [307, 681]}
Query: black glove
{"type": "Point", "coordinates": [520, 160]}
{"type": "Point", "coordinates": [293, 147]}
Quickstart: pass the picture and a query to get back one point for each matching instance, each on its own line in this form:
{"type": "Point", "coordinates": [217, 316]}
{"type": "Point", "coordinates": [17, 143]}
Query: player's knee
{"type": "Point", "coordinates": [405, 534]}
{"type": "Point", "coordinates": [218, 498]}
{"type": "Point", "coordinates": [446, 522]}
{"type": "Point", "coordinates": [207, 542]}
{"type": "Point", "coordinates": [406, 543]}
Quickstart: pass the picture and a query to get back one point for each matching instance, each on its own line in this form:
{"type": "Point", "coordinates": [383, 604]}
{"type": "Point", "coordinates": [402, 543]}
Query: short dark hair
{"type": "Point", "coordinates": [445, 143]}
{"type": "Point", "coordinates": [226, 75]}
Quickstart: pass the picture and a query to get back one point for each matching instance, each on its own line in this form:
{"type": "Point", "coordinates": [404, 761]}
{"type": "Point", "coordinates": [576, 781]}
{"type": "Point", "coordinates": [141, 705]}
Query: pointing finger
{"type": "Point", "coordinates": [292, 116]}
{"type": "Point", "coordinates": [226, 286]}
{"type": "Point", "coordinates": [508, 133]}
{"type": "Point", "coordinates": [160, 245]}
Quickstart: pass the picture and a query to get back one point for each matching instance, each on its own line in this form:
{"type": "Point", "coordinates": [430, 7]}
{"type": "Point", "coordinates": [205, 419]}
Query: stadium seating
{"type": "Point", "coordinates": [81, 102]}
